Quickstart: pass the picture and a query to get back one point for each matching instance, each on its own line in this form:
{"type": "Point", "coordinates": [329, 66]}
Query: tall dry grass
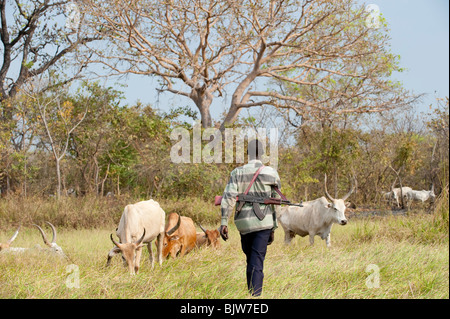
{"type": "Point", "coordinates": [91, 211]}
{"type": "Point", "coordinates": [408, 263]}
{"type": "Point", "coordinates": [441, 211]}
{"type": "Point", "coordinates": [69, 212]}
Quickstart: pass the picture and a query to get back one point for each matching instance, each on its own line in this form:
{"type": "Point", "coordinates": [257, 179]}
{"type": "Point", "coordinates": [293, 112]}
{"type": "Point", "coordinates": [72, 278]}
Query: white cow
{"type": "Point", "coordinates": [420, 196]}
{"type": "Point", "coordinates": [53, 247]}
{"type": "Point", "coordinates": [399, 192]}
{"type": "Point", "coordinates": [140, 224]}
{"type": "Point", "coordinates": [314, 218]}
{"type": "Point", "coordinates": [396, 193]}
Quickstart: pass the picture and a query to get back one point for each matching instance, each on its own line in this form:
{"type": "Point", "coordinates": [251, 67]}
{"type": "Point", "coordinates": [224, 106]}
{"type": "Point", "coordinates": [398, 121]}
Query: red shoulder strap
{"type": "Point", "coordinates": [253, 179]}
{"type": "Point", "coordinates": [279, 193]}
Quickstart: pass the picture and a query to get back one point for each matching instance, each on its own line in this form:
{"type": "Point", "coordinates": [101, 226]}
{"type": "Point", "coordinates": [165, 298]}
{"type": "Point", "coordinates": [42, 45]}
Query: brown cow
{"type": "Point", "coordinates": [208, 238]}
{"type": "Point", "coordinates": [180, 236]}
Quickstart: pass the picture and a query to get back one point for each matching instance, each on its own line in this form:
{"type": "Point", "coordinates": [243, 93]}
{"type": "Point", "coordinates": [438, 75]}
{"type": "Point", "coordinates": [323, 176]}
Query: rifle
{"type": "Point", "coordinates": [243, 198]}
{"type": "Point", "coordinates": [279, 201]}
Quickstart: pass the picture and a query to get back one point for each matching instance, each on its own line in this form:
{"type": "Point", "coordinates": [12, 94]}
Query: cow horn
{"type": "Point", "coordinates": [141, 239]}
{"type": "Point", "coordinates": [114, 242]}
{"type": "Point", "coordinates": [44, 237]}
{"type": "Point", "coordinates": [204, 230]}
{"type": "Point", "coordinates": [326, 191]}
{"type": "Point", "coordinates": [53, 231]}
{"type": "Point", "coordinates": [13, 236]}
{"type": "Point", "coordinates": [174, 229]}
{"type": "Point", "coordinates": [351, 190]}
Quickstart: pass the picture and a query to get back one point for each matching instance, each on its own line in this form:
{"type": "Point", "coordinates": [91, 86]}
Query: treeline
{"type": "Point", "coordinates": [324, 72]}
{"type": "Point", "coordinates": [381, 152]}
{"type": "Point", "coordinates": [80, 142]}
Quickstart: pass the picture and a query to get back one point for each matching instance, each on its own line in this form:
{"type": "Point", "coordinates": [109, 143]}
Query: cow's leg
{"type": "Point", "coordinates": [430, 206]}
{"type": "Point", "coordinates": [111, 254]}
{"type": "Point", "coordinates": [137, 260]}
{"type": "Point", "coordinates": [408, 204]}
{"type": "Point", "coordinates": [288, 236]}
{"type": "Point", "coordinates": [311, 239]}
{"type": "Point", "coordinates": [150, 252]}
{"type": "Point", "coordinates": [328, 240]}
{"type": "Point", "coordinates": [159, 247]}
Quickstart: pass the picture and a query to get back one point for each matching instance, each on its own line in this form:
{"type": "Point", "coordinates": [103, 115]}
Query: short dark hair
{"type": "Point", "coordinates": [255, 149]}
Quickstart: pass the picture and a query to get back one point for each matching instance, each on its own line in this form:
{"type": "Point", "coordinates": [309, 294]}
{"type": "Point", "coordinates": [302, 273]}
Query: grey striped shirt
{"type": "Point", "coordinates": [246, 220]}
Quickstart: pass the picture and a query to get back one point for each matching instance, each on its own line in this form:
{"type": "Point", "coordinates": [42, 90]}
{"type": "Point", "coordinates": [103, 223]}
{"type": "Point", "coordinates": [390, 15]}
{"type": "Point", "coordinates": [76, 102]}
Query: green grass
{"type": "Point", "coordinates": [410, 252]}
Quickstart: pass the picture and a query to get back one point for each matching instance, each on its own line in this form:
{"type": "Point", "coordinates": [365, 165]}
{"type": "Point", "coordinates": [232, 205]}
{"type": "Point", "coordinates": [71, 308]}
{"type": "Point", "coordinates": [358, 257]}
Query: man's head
{"type": "Point", "coordinates": [255, 149]}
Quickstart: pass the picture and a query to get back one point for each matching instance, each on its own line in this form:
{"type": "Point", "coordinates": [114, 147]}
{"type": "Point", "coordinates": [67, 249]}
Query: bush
{"type": "Point", "coordinates": [68, 212]}
{"type": "Point", "coordinates": [441, 220]}
{"type": "Point", "coordinates": [197, 209]}
{"type": "Point", "coordinates": [94, 212]}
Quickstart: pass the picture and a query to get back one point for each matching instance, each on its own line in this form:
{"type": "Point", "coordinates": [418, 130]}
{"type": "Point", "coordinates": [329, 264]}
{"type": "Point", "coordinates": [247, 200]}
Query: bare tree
{"type": "Point", "coordinates": [34, 40]}
{"type": "Point", "coordinates": [200, 49]}
{"type": "Point", "coordinates": [59, 122]}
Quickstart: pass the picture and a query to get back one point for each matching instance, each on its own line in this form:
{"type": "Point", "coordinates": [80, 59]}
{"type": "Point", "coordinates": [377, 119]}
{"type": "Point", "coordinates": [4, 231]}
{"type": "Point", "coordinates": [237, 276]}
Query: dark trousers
{"type": "Point", "coordinates": [254, 246]}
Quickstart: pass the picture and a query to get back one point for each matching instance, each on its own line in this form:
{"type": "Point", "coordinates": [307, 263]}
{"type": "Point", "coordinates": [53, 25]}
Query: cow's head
{"type": "Point", "coordinates": [8, 243]}
{"type": "Point", "coordinates": [338, 206]}
{"type": "Point", "coordinates": [172, 241]}
{"type": "Point", "coordinates": [212, 237]}
{"type": "Point", "coordinates": [54, 247]}
{"type": "Point", "coordinates": [128, 251]}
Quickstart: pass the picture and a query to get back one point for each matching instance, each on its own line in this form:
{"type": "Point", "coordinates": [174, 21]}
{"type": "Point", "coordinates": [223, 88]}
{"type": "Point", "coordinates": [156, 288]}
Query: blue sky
{"type": "Point", "coordinates": [420, 32]}
{"type": "Point", "coordinates": [420, 35]}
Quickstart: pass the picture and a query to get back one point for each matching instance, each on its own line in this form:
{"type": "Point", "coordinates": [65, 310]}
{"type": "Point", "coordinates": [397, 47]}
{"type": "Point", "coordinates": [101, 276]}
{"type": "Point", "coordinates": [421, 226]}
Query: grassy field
{"type": "Point", "coordinates": [376, 257]}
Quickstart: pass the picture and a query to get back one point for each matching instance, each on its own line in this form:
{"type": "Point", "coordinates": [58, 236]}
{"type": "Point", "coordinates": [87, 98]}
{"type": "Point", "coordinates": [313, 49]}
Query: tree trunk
{"type": "Point", "coordinates": [203, 99]}
{"type": "Point", "coordinates": [58, 174]}
{"type": "Point", "coordinates": [205, 115]}
{"type": "Point", "coordinates": [231, 117]}
{"type": "Point", "coordinates": [8, 185]}
{"type": "Point", "coordinates": [118, 185]}
{"type": "Point", "coordinates": [240, 95]}
{"type": "Point", "coordinates": [336, 195]}
{"type": "Point", "coordinates": [25, 179]}
{"type": "Point", "coordinates": [102, 191]}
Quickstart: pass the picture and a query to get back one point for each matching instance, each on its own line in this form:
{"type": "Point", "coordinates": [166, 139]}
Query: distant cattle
{"type": "Point", "coordinates": [54, 247]}
{"type": "Point", "coordinates": [208, 238]}
{"type": "Point", "coordinates": [180, 236]}
{"type": "Point", "coordinates": [395, 195]}
{"type": "Point", "coordinates": [420, 196]}
{"type": "Point", "coordinates": [314, 218]}
{"type": "Point", "coordinates": [140, 224]}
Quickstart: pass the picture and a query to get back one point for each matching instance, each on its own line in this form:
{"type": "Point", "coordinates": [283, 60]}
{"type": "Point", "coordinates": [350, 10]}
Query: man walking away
{"type": "Point", "coordinates": [255, 221]}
